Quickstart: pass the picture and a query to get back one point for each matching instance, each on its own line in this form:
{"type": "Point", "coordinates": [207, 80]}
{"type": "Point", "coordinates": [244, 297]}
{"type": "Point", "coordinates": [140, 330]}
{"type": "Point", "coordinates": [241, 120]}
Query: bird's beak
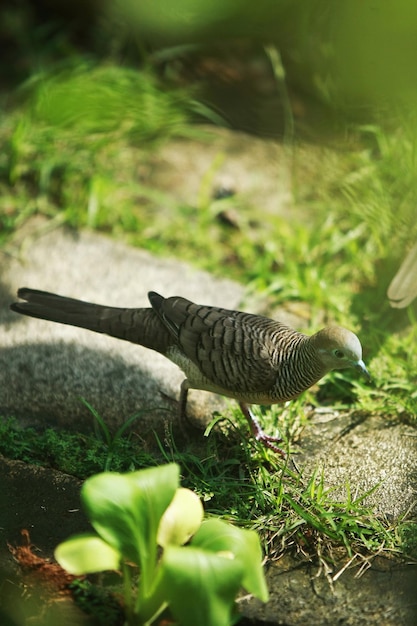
{"type": "Point", "coordinates": [360, 365]}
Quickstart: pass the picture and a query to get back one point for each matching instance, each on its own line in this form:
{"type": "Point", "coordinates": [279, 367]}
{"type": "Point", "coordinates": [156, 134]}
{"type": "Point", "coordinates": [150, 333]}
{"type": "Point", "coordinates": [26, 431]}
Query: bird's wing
{"type": "Point", "coordinates": [235, 350]}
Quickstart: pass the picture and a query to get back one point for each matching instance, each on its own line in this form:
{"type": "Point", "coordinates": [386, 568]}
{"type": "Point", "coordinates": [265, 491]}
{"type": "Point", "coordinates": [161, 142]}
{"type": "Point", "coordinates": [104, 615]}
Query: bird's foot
{"type": "Point", "coordinates": [267, 440]}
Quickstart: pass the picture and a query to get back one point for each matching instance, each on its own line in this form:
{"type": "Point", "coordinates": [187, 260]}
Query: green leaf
{"type": "Point", "coordinates": [200, 587]}
{"type": "Point", "coordinates": [181, 520]}
{"type": "Point", "coordinates": [85, 554]}
{"type": "Point", "coordinates": [217, 536]}
{"type": "Point", "coordinates": [125, 510]}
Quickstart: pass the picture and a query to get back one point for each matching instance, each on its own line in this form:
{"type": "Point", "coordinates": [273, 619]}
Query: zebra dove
{"type": "Point", "coordinates": [250, 358]}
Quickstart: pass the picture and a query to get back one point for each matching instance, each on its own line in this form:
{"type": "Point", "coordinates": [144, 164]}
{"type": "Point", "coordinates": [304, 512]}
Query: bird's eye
{"type": "Point", "coordinates": [339, 354]}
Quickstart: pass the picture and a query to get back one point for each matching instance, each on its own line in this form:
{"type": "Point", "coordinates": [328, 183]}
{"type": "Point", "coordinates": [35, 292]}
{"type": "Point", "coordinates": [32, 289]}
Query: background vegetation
{"type": "Point", "coordinates": [91, 94]}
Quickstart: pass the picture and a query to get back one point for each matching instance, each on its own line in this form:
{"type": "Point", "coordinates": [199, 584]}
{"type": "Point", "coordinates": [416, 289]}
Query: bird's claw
{"type": "Point", "coordinates": [267, 440]}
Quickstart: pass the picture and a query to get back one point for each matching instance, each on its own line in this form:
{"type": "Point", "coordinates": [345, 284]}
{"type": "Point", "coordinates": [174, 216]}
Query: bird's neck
{"type": "Point", "coordinates": [299, 369]}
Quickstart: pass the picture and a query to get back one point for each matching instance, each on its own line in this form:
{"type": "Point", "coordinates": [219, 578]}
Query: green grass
{"type": "Point", "coordinates": [240, 481]}
{"type": "Point", "coordinates": [73, 453]}
{"type": "Point", "coordinates": [70, 158]}
{"type": "Point", "coordinates": [75, 146]}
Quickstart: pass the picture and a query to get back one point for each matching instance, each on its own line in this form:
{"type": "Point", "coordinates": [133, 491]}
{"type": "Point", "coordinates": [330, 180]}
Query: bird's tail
{"type": "Point", "coordinates": [140, 326]}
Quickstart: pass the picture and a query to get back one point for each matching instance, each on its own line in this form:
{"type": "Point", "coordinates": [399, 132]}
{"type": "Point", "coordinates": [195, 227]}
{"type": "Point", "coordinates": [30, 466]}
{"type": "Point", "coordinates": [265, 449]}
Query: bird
{"type": "Point", "coordinates": [403, 288]}
{"type": "Point", "coordinates": [250, 358]}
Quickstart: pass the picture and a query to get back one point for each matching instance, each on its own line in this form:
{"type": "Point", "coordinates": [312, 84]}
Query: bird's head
{"type": "Point", "coordinates": [339, 348]}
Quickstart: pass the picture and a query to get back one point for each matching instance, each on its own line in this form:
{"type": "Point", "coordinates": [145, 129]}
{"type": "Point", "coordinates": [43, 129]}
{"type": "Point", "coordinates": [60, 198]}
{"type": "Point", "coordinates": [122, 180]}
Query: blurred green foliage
{"type": "Point", "coordinates": [77, 140]}
{"type": "Point", "coordinates": [351, 54]}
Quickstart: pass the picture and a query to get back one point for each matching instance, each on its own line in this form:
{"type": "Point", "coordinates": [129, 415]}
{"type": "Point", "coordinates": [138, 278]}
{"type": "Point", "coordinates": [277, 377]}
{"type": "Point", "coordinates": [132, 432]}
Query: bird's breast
{"type": "Point", "coordinates": [197, 380]}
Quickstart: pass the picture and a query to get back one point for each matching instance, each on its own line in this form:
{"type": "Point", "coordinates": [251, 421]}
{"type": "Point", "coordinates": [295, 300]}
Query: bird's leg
{"type": "Point", "coordinates": [185, 422]}
{"type": "Point", "coordinates": [185, 385]}
{"type": "Point", "coordinates": [258, 433]}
